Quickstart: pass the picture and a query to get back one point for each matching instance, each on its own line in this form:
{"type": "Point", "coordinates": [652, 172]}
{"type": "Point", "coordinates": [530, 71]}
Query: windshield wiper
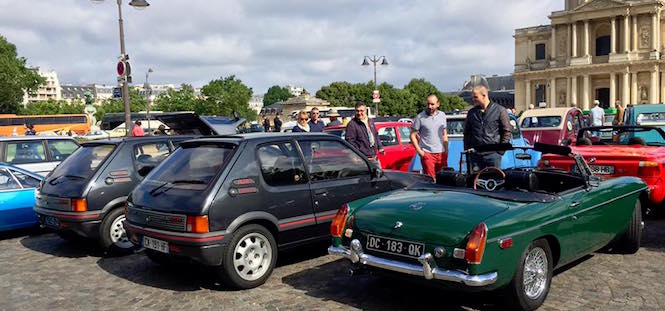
{"type": "Point", "coordinates": [173, 183]}
{"type": "Point", "coordinates": [53, 181]}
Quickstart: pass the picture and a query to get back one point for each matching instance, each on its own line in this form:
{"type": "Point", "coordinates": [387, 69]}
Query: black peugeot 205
{"type": "Point", "coordinates": [232, 201]}
{"type": "Point", "coordinates": [85, 195]}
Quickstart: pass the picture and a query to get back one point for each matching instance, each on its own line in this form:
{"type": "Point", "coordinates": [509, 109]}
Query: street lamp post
{"type": "Point", "coordinates": [125, 79]}
{"type": "Point", "coordinates": [148, 97]}
{"type": "Point", "coordinates": [374, 59]}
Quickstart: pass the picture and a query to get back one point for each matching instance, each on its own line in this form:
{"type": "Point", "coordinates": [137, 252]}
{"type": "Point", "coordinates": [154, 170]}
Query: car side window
{"type": "Point", "coordinates": [7, 182]}
{"type": "Point", "coordinates": [404, 135]}
{"type": "Point", "coordinates": [26, 180]}
{"type": "Point", "coordinates": [328, 160]}
{"type": "Point", "coordinates": [61, 149]}
{"type": "Point", "coordinates": [21, 152]}
{"type": "Point", "coordinates": [151, 153]}
{"type": "Point", "coordinates": [388, 136]}
{"type": "Point", "coordinates": [281, 165]}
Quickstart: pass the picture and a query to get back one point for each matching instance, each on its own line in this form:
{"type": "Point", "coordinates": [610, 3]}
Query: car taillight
{"type": "Point", "coordinates": [543, 163]}
{"type": "Point", "coordinates": [79, 205]}
{"type": "Point", "coordinates": [648, 168]}
{"type": "Point", "coordinates": [198, 224]}
{"type": "Point", "coordinates": [337, 226]}
{"type": "Point", "coordinates": [476, 245]}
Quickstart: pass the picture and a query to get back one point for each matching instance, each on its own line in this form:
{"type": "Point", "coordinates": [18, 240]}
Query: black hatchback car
{"type": "Point", "coordinates": [85, 195]}
{"type": "Point", "coordinates": [232, 201]}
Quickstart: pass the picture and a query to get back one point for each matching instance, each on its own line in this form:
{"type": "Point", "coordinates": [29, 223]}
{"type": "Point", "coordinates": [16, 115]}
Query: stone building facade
{"type": "Point", "coordinates": [594, 49]}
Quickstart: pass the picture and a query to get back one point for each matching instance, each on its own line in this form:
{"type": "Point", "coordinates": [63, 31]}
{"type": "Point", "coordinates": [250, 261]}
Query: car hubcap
{"type": "Point", "coordinates": [252, 256]}
{"type": "Point", "coordinates": [535, 273]}
{"type": "Point", "coordinates": [118, 234]}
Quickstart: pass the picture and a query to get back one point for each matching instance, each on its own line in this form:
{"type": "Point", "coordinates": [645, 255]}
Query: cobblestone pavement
{"type": "Point", "coordinates": [41, 271]}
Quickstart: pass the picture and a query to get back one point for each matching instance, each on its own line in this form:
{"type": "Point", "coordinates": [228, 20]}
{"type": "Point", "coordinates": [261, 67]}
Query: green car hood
{"type": "Point", "coordinates": [440, 217]}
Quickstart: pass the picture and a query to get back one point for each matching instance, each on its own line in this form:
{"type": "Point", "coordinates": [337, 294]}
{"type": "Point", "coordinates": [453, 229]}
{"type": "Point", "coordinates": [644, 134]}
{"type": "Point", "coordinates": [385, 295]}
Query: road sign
{"type": "Point", "coordinates": [376, 97]}
{"type": "Point", "coordinates": [120, 68]}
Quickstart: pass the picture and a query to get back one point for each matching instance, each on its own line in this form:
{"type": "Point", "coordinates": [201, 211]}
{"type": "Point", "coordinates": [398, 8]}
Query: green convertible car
{"type": "Point", "coordinates": [494, 230]}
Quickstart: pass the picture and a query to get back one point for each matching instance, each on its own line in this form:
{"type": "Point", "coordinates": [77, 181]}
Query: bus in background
{"type": "Point", "coordinates": [11, 124]}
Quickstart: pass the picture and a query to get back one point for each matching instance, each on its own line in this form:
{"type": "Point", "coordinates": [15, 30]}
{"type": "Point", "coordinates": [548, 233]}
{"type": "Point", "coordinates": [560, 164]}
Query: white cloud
{"type": "Point", "coordinates": [266, 42]}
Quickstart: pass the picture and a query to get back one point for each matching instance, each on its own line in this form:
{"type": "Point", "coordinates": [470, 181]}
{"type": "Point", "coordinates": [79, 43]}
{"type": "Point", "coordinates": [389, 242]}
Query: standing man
{"type": "Point", "coordinates": [315, 124]}
{"type": "Point", "coordinates": [486, 123]}
{"type": "Point", "coordinates": [621, 110]}
{"type": "Point", "coordinates": [333, 115]}
{"type": "Point", "coordinates": [266, 124]}
{"type": "Point", "coordinates": [429, 137]}
{"type": "Point", "coordinates": [137, 130]}
{"type": "Point", "coordinates": [278, 123]}
{"type": "Point", "coordinates": [597, 114]}
{"type": "Point", "coordinates": [361, 133]}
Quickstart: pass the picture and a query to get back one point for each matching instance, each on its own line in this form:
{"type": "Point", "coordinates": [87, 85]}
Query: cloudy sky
{"type": "Point", "coordinates": [268, 42]}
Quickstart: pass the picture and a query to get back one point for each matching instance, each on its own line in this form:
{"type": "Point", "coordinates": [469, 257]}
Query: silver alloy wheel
{"type": "Point", "coordinates": [535, 273]}
{"type": "Point", "coordinates": [252, 256]}
{"type": "Point", "coordinates": [118, 234]}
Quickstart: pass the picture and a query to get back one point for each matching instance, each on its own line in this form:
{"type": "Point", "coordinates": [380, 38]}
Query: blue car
{"type": "Point", "coordinates": [17, 197]}
{"type": "Point", "coordinates": [455, 125]}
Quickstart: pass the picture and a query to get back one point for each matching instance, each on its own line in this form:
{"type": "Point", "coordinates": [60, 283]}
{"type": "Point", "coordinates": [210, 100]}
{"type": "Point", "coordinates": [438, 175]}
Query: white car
{"type": "Point", "coordinates": [38, 154]}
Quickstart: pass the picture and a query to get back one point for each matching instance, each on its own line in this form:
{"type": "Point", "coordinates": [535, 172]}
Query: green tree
{"type": "Point", "coordinates": [15, 78]}
{"type": "Point", "coordinates": [51, 106]}
{"type": "Point", "coordinates": [345, 94]}
{"type": "Point", "coordinates": [224, 96]}
{"type": "Point", "coordinates": [183, 99]}
{"type": "Point", "coordinates": [422, 88]}
{"type": "Point", "coordinates": [275, 94]}
{"type": "Point", "coordinates": [136, 103]}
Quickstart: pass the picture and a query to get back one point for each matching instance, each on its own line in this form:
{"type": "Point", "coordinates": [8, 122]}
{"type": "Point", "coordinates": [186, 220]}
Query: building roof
{"type": "Point", "coordinates": [76, 91]}
{"type": "Point", "coordinates": [496, 83]}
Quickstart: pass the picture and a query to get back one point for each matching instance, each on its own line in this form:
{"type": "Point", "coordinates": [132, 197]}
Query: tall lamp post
{"type": "Point", "coordinates": [125, 77]}
{"type": "Point", "coordinates": [376, 99]}
{"type": "Point", "coordinates": [148, 97]}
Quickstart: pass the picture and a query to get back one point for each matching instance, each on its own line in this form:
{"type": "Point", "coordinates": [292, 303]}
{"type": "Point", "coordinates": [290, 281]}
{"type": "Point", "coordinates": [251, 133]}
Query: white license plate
{"type": "Point", "coordinates": [602, 169]}
{"type": "Point", "coordinates": [154, 244]}
{"type": "Point", "coordinates": [52, 222]}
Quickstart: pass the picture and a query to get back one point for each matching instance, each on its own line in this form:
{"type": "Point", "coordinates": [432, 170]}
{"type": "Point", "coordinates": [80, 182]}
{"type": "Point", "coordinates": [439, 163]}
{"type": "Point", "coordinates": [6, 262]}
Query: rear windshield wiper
{"type": "Point", "coordinates": [53, 181]}
{"type": "Point", "coordinates": [172, 184]}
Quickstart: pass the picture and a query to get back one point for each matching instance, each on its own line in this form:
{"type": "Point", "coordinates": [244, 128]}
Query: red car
{"type": "Point", "coordinates": [396, 140]}
{"type": "Point", "coordinates": [614, 151]}
{"type": "Point", "coordinates": [553, 126]}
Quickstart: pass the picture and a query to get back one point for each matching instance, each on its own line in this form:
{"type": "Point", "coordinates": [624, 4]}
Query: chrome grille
{"type": "Point", "coordinates": [158, 220]}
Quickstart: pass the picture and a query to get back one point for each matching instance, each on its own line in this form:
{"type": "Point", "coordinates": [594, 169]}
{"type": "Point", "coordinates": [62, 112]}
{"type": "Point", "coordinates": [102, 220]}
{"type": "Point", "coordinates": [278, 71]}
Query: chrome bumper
{"type": "Point", "coordinates": [427, 269]}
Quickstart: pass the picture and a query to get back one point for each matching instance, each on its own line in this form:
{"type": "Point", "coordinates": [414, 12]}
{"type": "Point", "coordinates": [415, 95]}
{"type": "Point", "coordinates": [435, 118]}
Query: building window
{"type": "Point", "coordinates": [540, 51]}
{"type": "Point", "coordinates": [603, 46]}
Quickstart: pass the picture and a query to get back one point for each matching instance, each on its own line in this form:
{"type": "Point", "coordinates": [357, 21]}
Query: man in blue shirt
{"type": "Point", "coordinates": [315, 124]}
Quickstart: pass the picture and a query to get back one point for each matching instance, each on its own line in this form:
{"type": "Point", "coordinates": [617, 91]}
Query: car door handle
{"type": "Point", "coordinates": [322, 193]}
{"type": "Point", "coordinates": [574, 204]}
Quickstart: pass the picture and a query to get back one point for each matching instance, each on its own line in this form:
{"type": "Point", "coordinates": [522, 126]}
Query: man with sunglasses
{"type": "Point", "coordinates": [361, 133]}
{"type": "Point", "coordinates": [315, 124]}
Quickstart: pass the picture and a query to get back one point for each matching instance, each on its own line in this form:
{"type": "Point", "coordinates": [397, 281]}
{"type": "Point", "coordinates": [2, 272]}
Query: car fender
{"type": "Point", "coordinates": [252, 217]}
{"type": "Point", "coordinates": [117, 202]}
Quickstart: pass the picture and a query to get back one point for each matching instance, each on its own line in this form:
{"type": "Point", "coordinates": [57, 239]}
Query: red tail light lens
{"type": "Point", "coordinates": [79, 205]}
{"type": "Point", "coordinates": [648, 168]}
{"type": "Point", "coordinates": [337, 226]}
{"type": "Point", "coordinates": [198, 224]}
{"type": "Point", "coordinates": [476, 245]}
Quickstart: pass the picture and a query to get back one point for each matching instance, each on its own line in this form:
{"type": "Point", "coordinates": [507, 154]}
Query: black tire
{"type": "Point", "coordinates": [160, 258]}
{"type": "Point", "coordinates": [122, 245]}
{"type": "Point", "coordinates": [630, 241]}
{"type": "Point", "coordinates": [516, 294]}
{"type": "Point", "coordinates": [265, 262]}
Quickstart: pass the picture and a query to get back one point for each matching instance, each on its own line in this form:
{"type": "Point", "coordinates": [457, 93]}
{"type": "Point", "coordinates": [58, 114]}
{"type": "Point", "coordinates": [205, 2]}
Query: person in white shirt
{"type": "Point", "coordinates": [597, 114]}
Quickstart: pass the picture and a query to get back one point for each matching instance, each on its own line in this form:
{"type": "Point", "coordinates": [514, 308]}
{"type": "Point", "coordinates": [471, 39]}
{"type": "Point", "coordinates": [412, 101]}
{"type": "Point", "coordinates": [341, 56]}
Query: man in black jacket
{"type": "Point", "coordinates": [358, 133]}
{"type": "Point", "coordinates": [487, 123]}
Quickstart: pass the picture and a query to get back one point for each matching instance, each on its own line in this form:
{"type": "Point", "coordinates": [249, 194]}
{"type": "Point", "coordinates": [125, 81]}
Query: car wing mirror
{"type": "Point", "coordinates": [145, 169]}
{"type": "Point", "coordinates": [523, 156]}
{"type": "Point", "coordinates": [594, 181]}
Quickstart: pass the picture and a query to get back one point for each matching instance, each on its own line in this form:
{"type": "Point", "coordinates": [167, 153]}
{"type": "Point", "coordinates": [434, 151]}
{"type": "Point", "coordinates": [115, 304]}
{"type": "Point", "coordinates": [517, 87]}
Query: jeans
{"type": "Point", "coordinates": [481, 161]}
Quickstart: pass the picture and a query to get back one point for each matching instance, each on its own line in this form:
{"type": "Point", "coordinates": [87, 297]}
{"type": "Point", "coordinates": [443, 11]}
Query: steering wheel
{"type": "Point", "coordinates": [489, 184]}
